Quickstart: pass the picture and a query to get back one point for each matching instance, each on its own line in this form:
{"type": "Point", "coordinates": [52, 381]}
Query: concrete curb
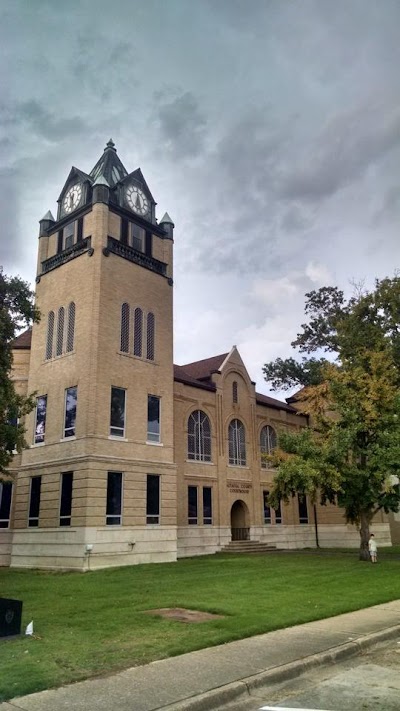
{"type": "Point", "coordinates": [232, 692]}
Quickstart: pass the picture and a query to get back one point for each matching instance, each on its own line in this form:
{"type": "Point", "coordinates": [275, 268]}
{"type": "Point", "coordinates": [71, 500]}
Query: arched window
{"type": "Point", "coordinates": [60, 331]}
{"type": "Point", "coordinates": [71, 327]}
{"type": "Point", "coordinates": [199, 437]}
{"type": "Point", "coordinates": [125, 328]}
{"type": "Point", "coordinates": [237, 444]}
{"type": "Point", "coordinates": [268, 443]}
{"type": "Point", "coordinates": [234, 391]}
{"type": "Point", "coordinates": [50, 335]}
{"type": "Point", "coordinates": [137, 333]}
{"type": "Point", "coordinates": [150, 336]}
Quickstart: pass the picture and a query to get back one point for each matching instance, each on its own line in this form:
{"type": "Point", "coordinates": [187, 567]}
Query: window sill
{"type": "Point", "coordinates": [37, 444]}
{"type": "Point", "coordinates": [238, 466]}
{"type": "Point", "coordinates": [59, 357]}
{"type": "Point", "coordinates": [115, 438]}
{"type": "Point", "coordinates": [68, 439]}
{"type": "Point", "coordinates": [155, 444]}
{"type": "Point", "coordinates": [135, 357]}
{"type": "Point", "coordinates": [199, 461]}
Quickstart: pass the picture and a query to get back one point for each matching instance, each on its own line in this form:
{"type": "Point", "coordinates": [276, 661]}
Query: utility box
{"type": "Point", "coordinates": [10, 617]}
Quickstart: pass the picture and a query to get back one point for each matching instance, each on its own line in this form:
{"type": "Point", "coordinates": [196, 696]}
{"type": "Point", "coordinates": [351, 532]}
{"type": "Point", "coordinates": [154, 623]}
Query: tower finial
{"type": "Point", "coordinates": [111, 145]}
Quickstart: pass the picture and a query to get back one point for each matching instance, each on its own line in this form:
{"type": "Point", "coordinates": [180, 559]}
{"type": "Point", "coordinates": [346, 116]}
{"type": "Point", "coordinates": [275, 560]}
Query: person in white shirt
{"type": "Point", "coordinates": [372, 547]}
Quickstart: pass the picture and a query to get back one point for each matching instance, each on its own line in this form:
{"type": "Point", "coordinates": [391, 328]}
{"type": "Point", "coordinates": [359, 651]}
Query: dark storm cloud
{"type": "Point", "coordinates": [351, 143]}
{"type": "Point", "coordinates": [9, 246]}
{"type": "Point", "coordinates": [182, 125]}
{"type": "Point", "coordinates": [46, 124]}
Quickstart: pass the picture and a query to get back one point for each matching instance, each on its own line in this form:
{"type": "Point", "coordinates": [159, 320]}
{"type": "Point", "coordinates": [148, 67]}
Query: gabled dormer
{"type": "Point", "coordinates": [76, 193]}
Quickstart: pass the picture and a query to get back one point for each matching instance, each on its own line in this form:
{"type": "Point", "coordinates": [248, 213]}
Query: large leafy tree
{"type": "Point", "coordinates": [350, 454]}
{"type": "Point", "coordinates": [16, 311]}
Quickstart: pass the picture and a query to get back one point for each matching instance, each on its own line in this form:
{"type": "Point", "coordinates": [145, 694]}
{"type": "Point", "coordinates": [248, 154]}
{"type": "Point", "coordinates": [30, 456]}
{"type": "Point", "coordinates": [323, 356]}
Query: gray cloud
{"type": "Point", "coordinates": [182, 125]}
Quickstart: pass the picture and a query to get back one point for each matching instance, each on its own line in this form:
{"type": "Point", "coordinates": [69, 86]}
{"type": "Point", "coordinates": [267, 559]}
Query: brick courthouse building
{"type": "Point", "coordinates": [132, 459]}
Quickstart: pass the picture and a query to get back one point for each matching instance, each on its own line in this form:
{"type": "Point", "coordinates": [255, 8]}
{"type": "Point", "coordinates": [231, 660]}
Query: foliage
{"type": "Point", "coordinates": [16, 310]}
{"type": "Point", "coordinates": [350, 455]}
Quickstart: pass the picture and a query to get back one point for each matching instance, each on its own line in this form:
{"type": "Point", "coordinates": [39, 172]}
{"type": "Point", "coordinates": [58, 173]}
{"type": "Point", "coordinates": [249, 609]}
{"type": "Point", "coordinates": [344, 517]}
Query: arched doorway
{"type": "Point", "coordinates": [240, 530]}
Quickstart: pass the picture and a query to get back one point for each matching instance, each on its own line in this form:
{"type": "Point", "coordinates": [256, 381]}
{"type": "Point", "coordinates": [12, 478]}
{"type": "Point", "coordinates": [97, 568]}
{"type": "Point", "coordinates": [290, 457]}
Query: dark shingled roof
{"type": "Point", "coordinates": [181, 376]}
{"type": "Point", "coordinates": [276, 404]}
{"type": "Point", "coordinates": [23, 341]}
{"type": "Point", "coordinates": [202, 369]}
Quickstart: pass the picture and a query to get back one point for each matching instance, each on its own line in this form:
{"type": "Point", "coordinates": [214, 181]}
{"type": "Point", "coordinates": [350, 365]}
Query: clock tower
{"type": "Point", "coordinates": [98, 484]}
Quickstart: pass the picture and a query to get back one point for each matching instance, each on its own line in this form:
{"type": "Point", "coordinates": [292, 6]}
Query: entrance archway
{"type": "Point", "coordinates": [240, 530]}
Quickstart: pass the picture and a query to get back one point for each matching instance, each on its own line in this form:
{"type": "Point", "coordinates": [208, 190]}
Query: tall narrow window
{"type": "Point", "coordinates": [79, 231]}
{"type": "Point", "coordinates": [138, 237]}
{"type": "Point", "coordinates": [234, 391]}
{"type": "Point", "coordinates": [71, 327]}
{"type": "Point", "coordinates": [69, 235]}
{"type": "Point", "coordinates": [125, 328]}
{"type": "Point", "coordinates": [34, 501]}
{"type": "Point", "coordinates": [237, 444]}
{"type": "Point", "coordinates": [124, 230]}
{"type": "Point", "coordinates": [114, 499]}
{"type": "Point", "coordinates": [150, 336]}
{"type": "Point", "coordinates": [60, 331]}
{"type": "Point", "coordinates": [267, 443]}
{"type": "Point", "coordinates": [50, 335]}
{"type": "Point", "coordinates": [267, 508]}
{"type": "Point", "coordinates": [71, 397]}
{"type": "Point", "coordinates": [137, 332]}
{"type": "Point", "coordinates": [192, 505]}
{"type": "Point", "coordinates": [303, 510]}
{"type": "Point", "coordinates": [153, 418]}
{"type": "Point", "coordinates": [207, 505]}
{"type": "Point", "coordinates": [278, 513]}
{"type": "Point", "coordinates": [5, 503]}
{"type": "Point", "coordinates": [40, 419]}
{"type": "Point", "coordinates": [153, 499]}
{"type": "Point", "coordinates": [117, 415]}
{"type": "Point", "coordinates": [66, 498]}
{"type": "Point", "coordinates": [199, 437]}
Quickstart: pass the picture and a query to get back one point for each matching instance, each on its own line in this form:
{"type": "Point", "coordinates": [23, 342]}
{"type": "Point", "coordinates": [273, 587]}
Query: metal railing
{"type": "Point", "coordinates": [127, 252]}
{"type": "Point", "coordinates": [240, 534]}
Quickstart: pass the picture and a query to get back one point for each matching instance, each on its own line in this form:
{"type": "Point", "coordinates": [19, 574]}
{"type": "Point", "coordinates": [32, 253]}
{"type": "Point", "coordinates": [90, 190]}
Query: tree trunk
{"type": "Point", "coordinates": [365, 520]}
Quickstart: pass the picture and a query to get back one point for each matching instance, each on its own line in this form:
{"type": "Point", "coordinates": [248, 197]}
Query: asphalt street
{"type": "Point", "coordinates": [368, 682]}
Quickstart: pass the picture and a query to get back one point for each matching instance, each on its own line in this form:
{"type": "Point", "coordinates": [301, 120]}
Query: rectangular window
{"type": "Point", "coordinates": [192, 505]}
{"type": "Point", "coordinates": [40, 419]}
{"type": "Point", "coordinates": [153, 499]}
{"type": "Point", "coordinates": [5, 503]}
{"type": "Point", "coordinates": [303, 510]}
{"type": "Point", "coordinates": [278, 514]}
{"type": "Point", "coordinates": [34, 501]}
{"type": "Point", "coordinates": [207, 505]}
{"type": "Point", "coordinates": [138, 238]}
{"type": "Point", "coordinates": [71, 397]}
{"type": "Point", "coordinates": [267, 508]}
{"type": "Point", "coordinates": [117, 415]}
{"type": "Point", "coordinates": [114, 499]}
{"type": "Point", "coordinates": [69, 235]}
{"type": "Point", "coordinates": [153, 418]}
{"type": "Point", "coordinates": [124, 231]}
{"type": "Point", "coordinates": [66, 498]}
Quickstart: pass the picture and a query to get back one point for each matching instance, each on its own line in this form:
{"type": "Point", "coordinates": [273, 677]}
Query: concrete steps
{"type": "Point", "coordinates": [247, 547]}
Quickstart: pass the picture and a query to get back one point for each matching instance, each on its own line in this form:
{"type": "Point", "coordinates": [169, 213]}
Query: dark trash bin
{"type": "Point", "coordinates": [10, 617]}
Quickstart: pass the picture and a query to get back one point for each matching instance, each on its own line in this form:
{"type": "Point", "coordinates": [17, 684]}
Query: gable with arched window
{"type": "Point", "coordinates": [268, 442]}
{"type": "Point", "coordinates": [199, 437]}
{"type": "Point", "coordinates": [237, 443]}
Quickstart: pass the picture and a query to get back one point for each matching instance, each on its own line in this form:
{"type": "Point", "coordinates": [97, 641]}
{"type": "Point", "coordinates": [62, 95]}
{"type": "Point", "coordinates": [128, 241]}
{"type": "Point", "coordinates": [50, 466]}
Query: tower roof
{"type": "Point", "coordinates": [109, 166]}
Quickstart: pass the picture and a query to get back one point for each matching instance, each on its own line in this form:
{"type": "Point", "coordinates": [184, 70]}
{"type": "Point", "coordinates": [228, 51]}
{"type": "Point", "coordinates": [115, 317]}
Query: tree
{"type": "Point", "coordinates": [16, 310]}
{"type": "Point", "coordinates": [350, 453]}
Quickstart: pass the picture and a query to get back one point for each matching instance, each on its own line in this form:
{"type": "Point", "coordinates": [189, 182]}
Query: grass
{"type": "Point", "coordinates": [93, 623]}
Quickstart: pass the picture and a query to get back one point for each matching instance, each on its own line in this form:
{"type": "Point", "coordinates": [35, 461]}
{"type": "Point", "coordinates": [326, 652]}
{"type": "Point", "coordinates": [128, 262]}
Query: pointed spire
{"type": "Point", "coordinates": [167, 220]}
{"type": "Point", "coordinates": [111, 145]}
{"type": "Point", "coordinates": [101, 181]}
{"type": "Point", "coordinates": [47, 216]}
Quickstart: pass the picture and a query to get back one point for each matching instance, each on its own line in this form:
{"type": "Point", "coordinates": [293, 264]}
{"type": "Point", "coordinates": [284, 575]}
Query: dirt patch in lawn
{"type": "Point", "coordinates": [180, 614]}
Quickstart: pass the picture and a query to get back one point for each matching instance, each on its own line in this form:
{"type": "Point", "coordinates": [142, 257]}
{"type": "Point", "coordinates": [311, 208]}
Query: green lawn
{"type": "Point", "coordinates": [93, 623]}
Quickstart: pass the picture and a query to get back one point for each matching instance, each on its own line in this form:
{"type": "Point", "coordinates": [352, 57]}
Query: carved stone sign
{"type": "Point", "coordinates": [239, 487]}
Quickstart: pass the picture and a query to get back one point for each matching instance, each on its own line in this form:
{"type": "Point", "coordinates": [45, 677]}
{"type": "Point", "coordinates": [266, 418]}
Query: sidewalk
{"type": "Point", "coordinates": [200, 681]}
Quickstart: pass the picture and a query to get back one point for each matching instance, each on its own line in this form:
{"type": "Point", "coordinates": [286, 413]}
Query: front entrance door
{"type": "Point", "coordinates": [240, 530]}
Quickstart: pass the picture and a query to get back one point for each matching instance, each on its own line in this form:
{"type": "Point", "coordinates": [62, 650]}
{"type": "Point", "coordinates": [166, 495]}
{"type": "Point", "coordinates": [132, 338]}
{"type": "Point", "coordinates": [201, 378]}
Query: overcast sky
{"type": "Point", "coordinates": [268, 129]}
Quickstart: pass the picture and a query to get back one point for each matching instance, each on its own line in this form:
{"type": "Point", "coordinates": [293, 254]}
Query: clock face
{"type": "Point", "coordinates": [72, 198]}
{"type": "Point", "coordinates": [137, 200]}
